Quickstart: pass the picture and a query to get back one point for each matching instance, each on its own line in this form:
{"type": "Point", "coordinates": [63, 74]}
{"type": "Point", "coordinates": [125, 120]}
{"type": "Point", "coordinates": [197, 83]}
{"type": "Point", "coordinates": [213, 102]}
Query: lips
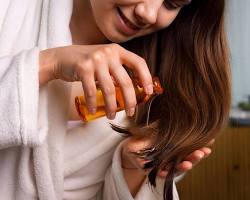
{"type": "Point", "coordinates": [125, 25]}
{"type": "Point", "coordinates": [126, 20]}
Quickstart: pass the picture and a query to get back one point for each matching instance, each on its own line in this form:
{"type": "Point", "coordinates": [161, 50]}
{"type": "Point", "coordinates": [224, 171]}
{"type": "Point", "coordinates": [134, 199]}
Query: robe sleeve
{"type": "Point", "coordinates": [115, 186]}
{"type": "Point", "coordinates": [19, 99]}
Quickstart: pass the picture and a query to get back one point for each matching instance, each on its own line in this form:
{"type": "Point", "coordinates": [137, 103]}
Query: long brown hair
{"type": "Point", "coordinates": [191, 59]}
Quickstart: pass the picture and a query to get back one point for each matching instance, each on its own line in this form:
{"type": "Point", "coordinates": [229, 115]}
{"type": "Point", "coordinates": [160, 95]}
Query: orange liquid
{"type": "Point", "coordinates": [86, 116]}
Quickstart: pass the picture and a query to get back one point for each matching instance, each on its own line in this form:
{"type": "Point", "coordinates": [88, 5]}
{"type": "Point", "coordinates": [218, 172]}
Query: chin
{"type": "Point", "coordinates": [120, 38]}
{"type": "Point", "coordinates": [117, 38]}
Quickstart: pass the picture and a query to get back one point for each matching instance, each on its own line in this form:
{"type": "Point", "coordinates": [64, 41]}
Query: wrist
{"type": "Point", "coordinates": [46, 66]}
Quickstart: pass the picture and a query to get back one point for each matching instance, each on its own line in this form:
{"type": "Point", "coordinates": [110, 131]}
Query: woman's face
{"type": "Point", "coordinates": [122, 20]}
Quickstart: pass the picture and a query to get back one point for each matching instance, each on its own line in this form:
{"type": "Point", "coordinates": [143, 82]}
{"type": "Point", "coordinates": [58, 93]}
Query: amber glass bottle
{"type": "Point", "coordinates": [86, 116]}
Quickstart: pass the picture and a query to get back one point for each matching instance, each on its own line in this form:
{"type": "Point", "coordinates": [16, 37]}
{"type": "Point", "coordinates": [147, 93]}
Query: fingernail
{"type": "Point", "coordinates": [130, 112]}
{"type": "Point", "coordinates": [200, 155]}
{"type": "Point", "coordinates": [209, 151]}
{"type": "Point", "coordinates": [92, 111]}
{"type": "Point", "coordinates": [149, 89]}
{"type": "Point", "coordinates": [111, 115]}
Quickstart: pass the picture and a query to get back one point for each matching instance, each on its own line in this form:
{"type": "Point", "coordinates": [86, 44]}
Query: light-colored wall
{"type": "Point", "coordinates": [238, 26]}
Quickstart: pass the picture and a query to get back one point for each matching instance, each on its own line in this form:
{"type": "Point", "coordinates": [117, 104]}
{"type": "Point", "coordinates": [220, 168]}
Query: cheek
{"type": "Point", "coordinates": [102, 12]}
{"type": "Point", "coordinates": [165, 18]}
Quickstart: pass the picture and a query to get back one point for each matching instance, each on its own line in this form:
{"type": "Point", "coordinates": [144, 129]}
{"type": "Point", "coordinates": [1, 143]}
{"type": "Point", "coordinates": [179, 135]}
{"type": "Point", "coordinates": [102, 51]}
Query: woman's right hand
{"type": "Point", "coordinates": [101, 63]}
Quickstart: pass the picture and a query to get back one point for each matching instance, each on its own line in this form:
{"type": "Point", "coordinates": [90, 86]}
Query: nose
{"type": "Point", "coordinates": [146, 13]}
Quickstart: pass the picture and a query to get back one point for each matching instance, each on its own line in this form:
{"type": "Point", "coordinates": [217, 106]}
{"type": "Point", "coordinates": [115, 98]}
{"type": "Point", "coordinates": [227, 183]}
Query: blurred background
{"type": "Point", "coordinates": [225, 175]}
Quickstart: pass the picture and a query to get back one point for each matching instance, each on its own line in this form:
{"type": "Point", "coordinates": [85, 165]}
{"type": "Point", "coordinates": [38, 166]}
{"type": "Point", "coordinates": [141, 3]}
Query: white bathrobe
{"type": "Point", "coordinates": [41, 155]}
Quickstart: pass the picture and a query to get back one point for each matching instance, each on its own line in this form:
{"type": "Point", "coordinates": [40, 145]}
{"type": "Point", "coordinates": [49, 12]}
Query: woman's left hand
{"type": "Point", "coordinates": [130, 161]}
{"type": "Point", "coordinates": [191, 160]}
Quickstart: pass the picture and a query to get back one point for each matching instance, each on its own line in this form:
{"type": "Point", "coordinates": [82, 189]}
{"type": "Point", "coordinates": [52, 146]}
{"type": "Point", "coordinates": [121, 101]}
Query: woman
{"type": "Point", "coordinates": [69, 163]}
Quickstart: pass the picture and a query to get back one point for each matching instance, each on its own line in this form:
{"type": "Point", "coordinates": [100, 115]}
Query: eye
{"type": "Point", "coordinates": [174, 4]}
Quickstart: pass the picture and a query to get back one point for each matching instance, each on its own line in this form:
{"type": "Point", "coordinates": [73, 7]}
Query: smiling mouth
{"type": "Point", "coordinates": [127, 21]}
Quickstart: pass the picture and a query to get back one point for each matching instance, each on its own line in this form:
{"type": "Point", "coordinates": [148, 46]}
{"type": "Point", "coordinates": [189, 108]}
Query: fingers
{"type": "Point", "coordinates": [108, 90]}
{"type": "Point", "coordinates": [162, 173]}
{"type": "Point", "coordinates": [105, 64]}
{"type": "Point", "coordinates": [89, 88]}
{"type": "Point", "coordinates": [86, 74]}
{"type": "Point", "coordinates": [185, 166]}
{"type": "Point", "coordinates": [193, 159]}
{"type": "Point", "coordinates": [123, 80]}
{"type": "Point", "coordinates": [207, 151]}
{"type": "Point", "coordinates": [211, 142]}
{"type": "Point", "coordinates": [139, 65]}
{"type": "Point", "coordinates": [116, 57]}
{"type": "Point", "coordinates": [188, 164]}
{"type": "Point", "coordinates": [195, 156]}
{"type": "Point", "coordinates": [190, 161]}
{"type": "Point", "coordinates": [182, 167]}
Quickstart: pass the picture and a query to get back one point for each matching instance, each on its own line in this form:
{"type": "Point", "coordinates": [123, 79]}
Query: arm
{"type": "Point", "coordinates": [21, 75]}
{"type": "Point", "coordinates": [19, 99]}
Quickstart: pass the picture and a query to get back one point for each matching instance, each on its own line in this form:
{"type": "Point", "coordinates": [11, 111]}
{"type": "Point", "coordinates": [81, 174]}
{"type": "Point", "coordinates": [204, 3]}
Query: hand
{"type": "Point", "coordinates": [191, 160]}
{"type": "Point", "coordinates": [130, 161]}
{"type": "Point", "coordinates": [101, 63]}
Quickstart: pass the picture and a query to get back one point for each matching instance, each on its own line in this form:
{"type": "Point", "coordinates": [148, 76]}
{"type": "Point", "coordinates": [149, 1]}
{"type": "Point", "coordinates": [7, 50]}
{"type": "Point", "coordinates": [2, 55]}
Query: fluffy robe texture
{"type": "Point", "coordinates": [40, 158]}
